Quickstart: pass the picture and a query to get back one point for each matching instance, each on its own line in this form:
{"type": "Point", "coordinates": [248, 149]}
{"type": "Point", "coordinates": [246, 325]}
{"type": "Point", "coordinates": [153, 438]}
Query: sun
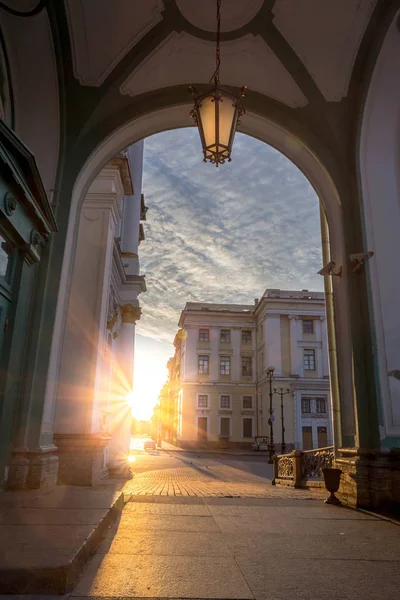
{"type": "Point", "coordinates": [150, 374]}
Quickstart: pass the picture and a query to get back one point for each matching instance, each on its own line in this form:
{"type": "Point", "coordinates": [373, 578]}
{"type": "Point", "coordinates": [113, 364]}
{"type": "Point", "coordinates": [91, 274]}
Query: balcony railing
{"type": "Point", "coordinates": [303, 468]}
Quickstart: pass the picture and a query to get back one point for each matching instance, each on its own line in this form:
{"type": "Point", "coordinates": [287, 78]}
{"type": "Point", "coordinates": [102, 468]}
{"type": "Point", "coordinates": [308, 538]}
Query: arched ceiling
{"type": "Point", "coordinates": [324, 35]}
{"type": "Point", "coordinates": [82, 66]}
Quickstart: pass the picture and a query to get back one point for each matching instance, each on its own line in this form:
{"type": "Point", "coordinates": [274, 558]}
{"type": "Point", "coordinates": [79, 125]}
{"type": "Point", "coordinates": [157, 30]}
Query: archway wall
{"type": "Point", "coordinates": [256, 126]}
{"type": "Point", "coordinates": [379, 173]}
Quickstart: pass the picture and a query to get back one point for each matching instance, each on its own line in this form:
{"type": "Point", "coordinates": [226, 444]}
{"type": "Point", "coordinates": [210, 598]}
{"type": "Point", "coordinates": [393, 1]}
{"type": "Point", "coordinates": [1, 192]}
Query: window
{"type": "Point", "coordinates": [309, 360]}
{"type": "Point", "coordinates": [203, 365]}
{"type": "Point", "coordinates": [247, 366]}
{"type": "Point", "coordinates": [246, 336]}
{"type": "Point", "coordinates": [308, 326]}
{"type": "Point", "coordinates": [321, 405]}
{"type": "Point", "coordinates": [247, 428]}
{"type": "Point", "coordinates": [225, 336]}
{"type": "Point", "coordinates": [202, 401]}
{"type": "Point", "coordinates": [322, 437]}
{"type": "Point", "coordinates": [307, 438]}
{"type": "Point", "coordinates": [306, 405]}
{"type": "Point", "coordinates": [204, 335]}
{"type": "Point", "coordinates": [225, 401]}
{"type": "Point", "coordinates": [225, 365]}
{"type": "Point", "coordinates": [225, 427]}
{"type": "Point", "coordinates": [247, 402]}
{"type": "Point", "coordinates": [202, 427]}
{"type": "Point", "coordinates": [5, 256]}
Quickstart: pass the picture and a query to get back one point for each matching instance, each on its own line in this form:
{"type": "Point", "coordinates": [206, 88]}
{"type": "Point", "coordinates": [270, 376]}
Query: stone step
{"type": "Point", "coordinates": [46, 540]}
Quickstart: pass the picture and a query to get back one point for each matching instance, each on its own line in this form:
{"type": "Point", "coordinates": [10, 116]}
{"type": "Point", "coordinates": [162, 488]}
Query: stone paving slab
{"type": "Point", "coordinates": [74, 497]}
{"type": "Point", "coordinates": [44, 546]}
{"type": "Point", "coordinates": [53, 516]}
{"type": "Point", "coordinates": [178, 509]}
{"type": "Point", "coordinates": [274, 578]}
{"type": "Point", "coordinates": [131, 522]}
{"type": "Point", "coordinates": [176, 543]}
{"type": "Point", "coordinates": [314, 511]}
{"type": "Point", "coordinates": [163, 577]}
{"type": "Point", "coordinates": [313, 547]}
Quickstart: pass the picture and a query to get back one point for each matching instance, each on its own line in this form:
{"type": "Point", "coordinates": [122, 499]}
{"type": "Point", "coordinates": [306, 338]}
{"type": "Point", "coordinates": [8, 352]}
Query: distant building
{"type": "Point", "coordinates": [218, 382]}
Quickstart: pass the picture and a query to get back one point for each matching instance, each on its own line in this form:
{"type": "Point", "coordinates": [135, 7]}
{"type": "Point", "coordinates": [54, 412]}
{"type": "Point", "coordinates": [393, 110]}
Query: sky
{"type": "Point", "coordinates": [216, 235]}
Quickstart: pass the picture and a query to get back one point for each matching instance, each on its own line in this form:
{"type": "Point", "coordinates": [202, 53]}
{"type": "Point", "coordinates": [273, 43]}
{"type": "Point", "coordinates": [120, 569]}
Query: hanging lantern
{"type": "Point", "coordinates": [217, 113]}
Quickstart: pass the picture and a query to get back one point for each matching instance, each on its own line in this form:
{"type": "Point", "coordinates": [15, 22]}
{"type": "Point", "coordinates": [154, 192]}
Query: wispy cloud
{"type": "Point", "coordinates": [222, 235]}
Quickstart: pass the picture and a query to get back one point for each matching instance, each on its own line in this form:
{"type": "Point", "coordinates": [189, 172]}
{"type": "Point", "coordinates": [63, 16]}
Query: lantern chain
{"type": "Point", "coordinates": [215, 76]}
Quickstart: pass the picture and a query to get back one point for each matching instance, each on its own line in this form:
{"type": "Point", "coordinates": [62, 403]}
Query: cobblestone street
{"type": "Point", "coordinates": [164, 473]}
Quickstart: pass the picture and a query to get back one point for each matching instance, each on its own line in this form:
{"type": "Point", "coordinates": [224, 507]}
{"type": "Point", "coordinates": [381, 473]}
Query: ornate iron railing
{"type": "Point", "coordinates": [285, 466]}
{"type": "Point", "coordinates": [303, 468]}
{"type": "Point", "coordinates": [313, 461]}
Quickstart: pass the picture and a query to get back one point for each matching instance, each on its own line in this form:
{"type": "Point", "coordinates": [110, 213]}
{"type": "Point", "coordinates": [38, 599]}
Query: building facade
{"type": "Point", "coordinates": [221, 389]}
{"type": "Point", "coordinates": [91, 418]}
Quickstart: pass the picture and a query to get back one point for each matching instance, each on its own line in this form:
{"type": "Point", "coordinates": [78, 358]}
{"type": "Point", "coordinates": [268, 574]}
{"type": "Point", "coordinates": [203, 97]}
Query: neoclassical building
{"type": "Point", "coordinates": [218, 375]}
{"type": "Point", "coordinates": [83, 80]}
{"type": "Point", "coordinates": [90, 423]}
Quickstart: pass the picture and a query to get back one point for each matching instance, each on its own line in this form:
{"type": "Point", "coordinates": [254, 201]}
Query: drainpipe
{"type": "Point", "coordinates": [330, 323]}
{"type": "Point", "coordinates": [256, 357]}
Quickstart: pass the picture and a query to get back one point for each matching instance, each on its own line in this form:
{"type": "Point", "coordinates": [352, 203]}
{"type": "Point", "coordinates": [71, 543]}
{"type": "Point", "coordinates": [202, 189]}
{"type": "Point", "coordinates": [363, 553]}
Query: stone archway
{"type": "Point", "coordinates": [306, 161]}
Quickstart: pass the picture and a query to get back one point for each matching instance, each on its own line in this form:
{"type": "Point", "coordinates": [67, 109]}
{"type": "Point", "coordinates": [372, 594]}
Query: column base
{"type": "Point", "coordinates": [33, 470]}
{"type": "Point", "coordinates": [122, 471]}
{"type": "Point", "coordinates": [81, 458]}
{"type": "Point", "coordinates": [370, 479]}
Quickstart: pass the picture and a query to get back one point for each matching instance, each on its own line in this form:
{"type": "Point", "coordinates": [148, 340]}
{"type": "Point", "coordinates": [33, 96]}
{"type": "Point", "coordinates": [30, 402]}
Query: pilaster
{"type": "Point", "coordinates": [121, 411]}
{"type": "Point", "coordinates": [294, 362]}
{"type": "Point", "coordinates": [84, 374]}
{"type": "Point", "coordinates": [324, 342]}
{"type": "Point", "coordinates": [272, 339]}
{"type": "Point", "coordinates": [132, 211]}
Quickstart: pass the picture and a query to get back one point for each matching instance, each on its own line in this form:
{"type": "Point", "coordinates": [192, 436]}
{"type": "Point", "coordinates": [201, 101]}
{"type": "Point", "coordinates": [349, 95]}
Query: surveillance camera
{"type": "Point", "coordinates": [361, 256]}
{"type": "Point", "coordinates": [326, 270]}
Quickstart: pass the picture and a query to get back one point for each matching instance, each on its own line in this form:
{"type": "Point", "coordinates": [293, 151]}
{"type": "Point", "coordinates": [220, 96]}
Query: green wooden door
{"type": "Point", "coordinates": [6, 253]}
{"type": "Point", "coordinates": [5, 287]}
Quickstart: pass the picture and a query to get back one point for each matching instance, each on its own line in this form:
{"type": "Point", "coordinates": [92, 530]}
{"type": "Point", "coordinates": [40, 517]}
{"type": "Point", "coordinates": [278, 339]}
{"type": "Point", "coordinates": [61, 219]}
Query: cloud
{"type": "Point", "coordinates": [222, 235]}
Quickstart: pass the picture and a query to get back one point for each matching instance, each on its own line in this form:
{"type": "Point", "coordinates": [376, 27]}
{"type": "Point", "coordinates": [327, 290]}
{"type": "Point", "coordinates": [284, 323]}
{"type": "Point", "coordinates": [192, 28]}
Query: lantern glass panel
{"type": "Point", "coordinates": [207, 117]}
{"type": "Point", "coordinates": [227, 110]}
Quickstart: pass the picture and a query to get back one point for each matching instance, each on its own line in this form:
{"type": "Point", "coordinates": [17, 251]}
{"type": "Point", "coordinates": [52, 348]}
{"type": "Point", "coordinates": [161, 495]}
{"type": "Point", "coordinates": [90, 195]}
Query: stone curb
{"type": "Point", "coordinates": [60, 578]}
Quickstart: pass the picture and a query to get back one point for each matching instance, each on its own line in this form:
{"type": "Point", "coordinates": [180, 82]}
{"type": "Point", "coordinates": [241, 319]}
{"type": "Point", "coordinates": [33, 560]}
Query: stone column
{"type": "Point", "coordinates": [121, 410]}
{"type": "Point", "coordinates": [132, 211]}
{"type": "Point", "coordinates": [83, 387]}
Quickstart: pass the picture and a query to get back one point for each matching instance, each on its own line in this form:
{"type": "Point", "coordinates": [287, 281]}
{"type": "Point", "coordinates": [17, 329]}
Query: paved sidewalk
{"type": "Point", "coordinates": [46, 537]}
{"type": "Point", "coordinates": [235, 548]}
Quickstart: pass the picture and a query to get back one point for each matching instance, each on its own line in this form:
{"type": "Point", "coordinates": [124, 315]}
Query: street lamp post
{"type": "Point", "coordinates": [271, 447]}
{"type": "Point", "coordinates": [282, 393]}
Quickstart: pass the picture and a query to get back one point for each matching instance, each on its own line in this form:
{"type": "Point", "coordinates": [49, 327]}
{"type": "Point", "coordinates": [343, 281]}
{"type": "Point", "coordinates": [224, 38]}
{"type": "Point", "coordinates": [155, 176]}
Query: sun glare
{"type": "Point", "coordinates": [150, 375]}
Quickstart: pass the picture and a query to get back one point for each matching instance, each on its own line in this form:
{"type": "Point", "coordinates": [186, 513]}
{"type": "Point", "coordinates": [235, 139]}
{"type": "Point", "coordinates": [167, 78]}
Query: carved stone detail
{"type": "Point", "coordinates": [130, 313]}
{"type": "Point", "coordinates": [312, 462]}
{"type": "Point", "coordinates": [10, 203]}
{"type": "Point", "coordinates": [285, 466]}
{"type": "Point", "coordinates": [37, 239]}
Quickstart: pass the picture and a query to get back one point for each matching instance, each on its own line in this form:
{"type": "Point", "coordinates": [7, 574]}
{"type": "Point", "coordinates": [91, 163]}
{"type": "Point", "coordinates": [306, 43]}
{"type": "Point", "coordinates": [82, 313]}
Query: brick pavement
{"type": "Point", "coordinates": [220, 481]}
